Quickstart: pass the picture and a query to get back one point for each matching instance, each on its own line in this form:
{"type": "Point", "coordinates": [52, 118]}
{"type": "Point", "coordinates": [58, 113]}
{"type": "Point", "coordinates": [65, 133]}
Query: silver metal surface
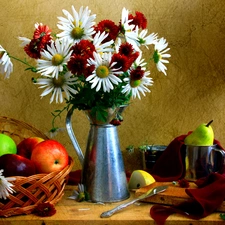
{"type": "Point", "coordinates": [103, 173]}
{"type": "Point", "coordinates": [73, 137]}
{"type": "Point", "coordinates": [149, 193]}
{"type": "Point", "coordinates": [200, 161]}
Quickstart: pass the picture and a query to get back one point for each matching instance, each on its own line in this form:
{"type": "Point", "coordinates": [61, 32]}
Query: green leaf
{"type": "Point", "coordinates": [222, 216]}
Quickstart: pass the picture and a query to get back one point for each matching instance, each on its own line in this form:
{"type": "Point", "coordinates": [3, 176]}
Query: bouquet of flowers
{"type": "Point", "coordinates": [91, 66]}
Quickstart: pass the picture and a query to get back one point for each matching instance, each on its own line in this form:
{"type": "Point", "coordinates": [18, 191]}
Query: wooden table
{"type": "Point", "coordinates": [70, 212]}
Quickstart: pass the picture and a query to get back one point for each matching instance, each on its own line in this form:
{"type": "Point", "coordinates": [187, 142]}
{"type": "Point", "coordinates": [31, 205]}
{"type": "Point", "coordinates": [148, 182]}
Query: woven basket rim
{"type": "Point", "coordinates": [9, 122]}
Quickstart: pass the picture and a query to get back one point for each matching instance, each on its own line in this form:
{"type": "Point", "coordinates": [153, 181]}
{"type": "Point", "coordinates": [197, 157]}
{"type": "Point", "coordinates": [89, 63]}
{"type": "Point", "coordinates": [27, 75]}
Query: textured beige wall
{"type": "Point", "coordinates": [192, 93]}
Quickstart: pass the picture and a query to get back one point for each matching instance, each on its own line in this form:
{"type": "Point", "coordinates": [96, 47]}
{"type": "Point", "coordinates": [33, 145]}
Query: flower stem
{"type": "Point", "coordinates": [30, 67]}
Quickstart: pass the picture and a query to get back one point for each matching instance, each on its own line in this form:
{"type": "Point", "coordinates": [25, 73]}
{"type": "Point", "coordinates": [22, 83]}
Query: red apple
{"type": "Point", "coordinates": [49, 156]}
{"type": "Point", "coordinates": [26, 146]}
{"type": "Point", "coordinates": [16, 165]}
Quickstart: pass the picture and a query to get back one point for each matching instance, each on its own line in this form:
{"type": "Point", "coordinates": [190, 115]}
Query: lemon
{"type": "Point", "coordinates": [140, 178]}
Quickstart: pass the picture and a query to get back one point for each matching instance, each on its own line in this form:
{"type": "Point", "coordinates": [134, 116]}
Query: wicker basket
{"type": "Point", "coordinates": [18, 130]}
{"type": "Point", "coordinates": [35, 189]}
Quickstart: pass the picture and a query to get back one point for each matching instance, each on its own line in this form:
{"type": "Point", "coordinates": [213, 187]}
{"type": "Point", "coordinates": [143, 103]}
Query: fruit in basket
{"type": "Point", "coordinates": [49, 156]}
{"type": "Point", "coordinates": [16, 165]}
{"type": "Point", "coordinates": [7, 145]}
{"type": "Point", "coordinates": [203, 135]}
{"type": "Point", "coordinates": [140, 178]}
{"type": "Point", "coordinates": [26, 146]}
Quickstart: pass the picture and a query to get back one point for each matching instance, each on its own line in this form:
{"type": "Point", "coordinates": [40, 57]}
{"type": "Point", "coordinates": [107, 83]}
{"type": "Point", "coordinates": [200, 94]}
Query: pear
{"type": "Point", "coordinates": [203, 135]}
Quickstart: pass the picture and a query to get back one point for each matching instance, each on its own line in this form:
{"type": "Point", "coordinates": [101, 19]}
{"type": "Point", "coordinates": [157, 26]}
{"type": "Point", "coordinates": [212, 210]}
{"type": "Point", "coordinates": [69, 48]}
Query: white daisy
{"type": "Point", "coordinates": [77, 26]}
{"type": "Point", "coordinates": [25, 41]}
{"type": "Point", "coordinates": [117, 44]}
{"type": "Point", "coordinates": [6, 66]}
{"type": "Point", "coordinates": [139, 62]}
{"type": "Point", "coordinates": [6, 186]}
{"type": "Point", "coordinates": [104, 76]}
{"type": "Point", "coordinates": [159, 54]}
{"type": "Point", "coordinates": [102, 47]}
{"type": "Point", "coordinates": [54, 131]}
{"type": "Point", "coordinates": [135, 87]}
{"type": "Point", "coordinates": [57, 86]}
{"type": "Point", "coordinates": [125, 21]}
{"type": "Point", "coordinates": [143, 40]}
{"type": "Point", "coordinates": [54, 58]}
{"type": "Point", "coordinates": [128, 29]}
{"type": "Point", "coordinates": [79, 194]}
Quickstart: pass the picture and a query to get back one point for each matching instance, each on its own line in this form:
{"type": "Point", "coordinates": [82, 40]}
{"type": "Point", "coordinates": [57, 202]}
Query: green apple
{"type": "Point", "coordinates": [7, 145]}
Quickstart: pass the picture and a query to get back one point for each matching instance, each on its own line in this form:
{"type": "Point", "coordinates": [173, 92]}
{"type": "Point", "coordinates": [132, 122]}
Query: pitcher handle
{"type": "Point", "coordinates": [222, 160]}
{"type": "Point", "coordinates": [73, 138]}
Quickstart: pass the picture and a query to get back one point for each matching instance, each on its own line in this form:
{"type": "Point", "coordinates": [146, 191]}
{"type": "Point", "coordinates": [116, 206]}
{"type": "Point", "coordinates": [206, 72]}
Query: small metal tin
{"type": "Point", "coordinates": [151, 154]}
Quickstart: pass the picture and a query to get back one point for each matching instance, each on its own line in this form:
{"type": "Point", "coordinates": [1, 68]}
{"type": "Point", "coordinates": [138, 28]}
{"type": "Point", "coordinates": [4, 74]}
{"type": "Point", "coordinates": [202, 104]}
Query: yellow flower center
{"type": "Point", "coordinates": [58, 82]}
{"type": "Point", "coordinates": [57, 59]}
{"type": "Point", "coordinates": [135, 83]}
{"type": "Point", "coordinates": [102, 71]}
{"type": "Point", "coordinates": [107, 30]}
{"type": "Point", "coordinates": [77, 32]}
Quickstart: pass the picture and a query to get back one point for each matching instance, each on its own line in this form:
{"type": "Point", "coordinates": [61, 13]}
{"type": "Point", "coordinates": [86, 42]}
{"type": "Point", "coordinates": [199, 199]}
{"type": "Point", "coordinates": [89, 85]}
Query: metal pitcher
{"type": "Point", "coordinates": [200, 161]}
{"type": "Point", "coordinates": [103, 173]}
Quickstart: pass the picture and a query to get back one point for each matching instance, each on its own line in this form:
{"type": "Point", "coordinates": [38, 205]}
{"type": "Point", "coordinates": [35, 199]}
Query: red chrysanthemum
{"type": "Point", "coordinates": [108, 27]}
{"type": "Point", "coordinates": [122, 62]}
{"type": "Point", "coordinates": [136, 74]}
{"type": "Point", "coordinates": [42, 36]}
{"type": "Point", "coordinates": [45, 40]}
{"type": "Point", "coordinates": [84, 48]}
{"type": "Point", "coordinates": [88, 71]}
{"type": "Point", "coordinates": [134, 56]}
{"type": "Point", "coordinates": [42, 31]}
{"type": "Point", "coordinates": [127, 50]}
{"type": "Point", "coordinates": [115, 122]}
{"type": "Point", "coordinates": [45, 209]}
{"type": "Point", "coordinates": [33, 50]}
{"type": "Point", "coordinates": [77, 64]}
{"type": "Point", "coordinates": [138, 20]}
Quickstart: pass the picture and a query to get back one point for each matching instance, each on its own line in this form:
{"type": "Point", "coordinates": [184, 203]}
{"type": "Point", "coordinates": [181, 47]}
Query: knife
{"type": "Point", "coordinates": [149, 193]}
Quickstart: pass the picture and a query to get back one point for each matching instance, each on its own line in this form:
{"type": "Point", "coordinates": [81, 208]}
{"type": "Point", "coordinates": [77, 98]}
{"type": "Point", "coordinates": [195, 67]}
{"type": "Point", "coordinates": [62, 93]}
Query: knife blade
{"type": "Point", "coordinates": [149, 193]}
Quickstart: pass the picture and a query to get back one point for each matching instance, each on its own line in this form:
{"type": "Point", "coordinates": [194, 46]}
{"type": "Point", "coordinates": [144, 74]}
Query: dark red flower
{"type": "Point", "coordinates": [41, 38]}
{"type": "Point", "coordinates": [88, 71]}
{"type": "Point", "coordinates": [183, 183]}
{"type": "Point", "coordinates": [136, 74]}
{"type": "Point", "coordinates": [84, 48]}
{"type": "Point", "coordinates": [134, 56]}
{"type": "Point", "coordinates": [108, 27]}
{"type": "Point", "coordinates": [127, 50]}
{"type": "Point", "coordinates": [77, 64]}
{"type": "Point", "coordinates": [115, 122]}
{"type": "Point", "coordinates": [33, 50]}
{"type": "Point", "coordinates": [122, 62]}
{"type": "Point", "coordinates": [138, 20]}
{"type": "Point", "coordinates": [44, 209]}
